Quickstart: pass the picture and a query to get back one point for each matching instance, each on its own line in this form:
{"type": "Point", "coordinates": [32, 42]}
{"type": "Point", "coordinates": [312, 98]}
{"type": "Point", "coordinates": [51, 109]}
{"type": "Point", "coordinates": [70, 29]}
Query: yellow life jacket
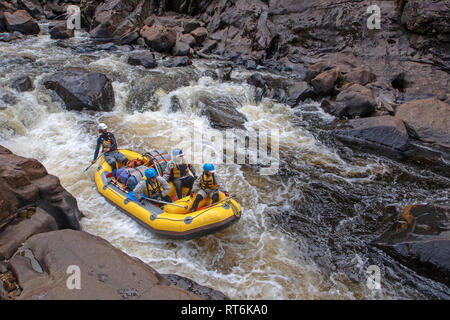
{"type": "Point", "coordinates": [107, 143]}
{"type": "Point", "coordinates": [208, 182]}
{"type": "Point", "coordinates": [153, 189]}
{"type": "Point", "coordinates": [180, 170]}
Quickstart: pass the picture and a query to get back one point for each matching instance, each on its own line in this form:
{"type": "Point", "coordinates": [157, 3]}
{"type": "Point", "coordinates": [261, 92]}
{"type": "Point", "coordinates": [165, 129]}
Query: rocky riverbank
{"type": "Point", "coordinates": [41, 238]}
{"type": "Point", "coordinates": [388, 88]}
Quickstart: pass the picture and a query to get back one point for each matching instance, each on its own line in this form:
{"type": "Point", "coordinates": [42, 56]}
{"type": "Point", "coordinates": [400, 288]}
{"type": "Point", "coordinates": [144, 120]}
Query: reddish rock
{"type": "Point", "coordinates": [355, 100]}
{"type": "Point", "coordinates": [106, 273]}
{"type": "Point", "coordinates": [324, 82]}
{"type": "Point", "coordinates": [159, 37]}
{"type": "Point", "coordinates": [21, 21]}
{"type": "Point", "coordinates": [199, 34]}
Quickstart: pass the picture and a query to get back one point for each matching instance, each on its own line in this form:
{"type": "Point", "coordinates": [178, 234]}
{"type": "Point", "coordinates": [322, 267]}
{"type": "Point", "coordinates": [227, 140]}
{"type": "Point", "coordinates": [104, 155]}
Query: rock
{"type": "Point", "coordinates": [199, 34]}
{"type": "Point", "coordinates": [355, 100]}
{"type": "Point", "coordinates": [256, 80]}
{"type": "Point", "coordinates": [159, 37]}
{"type": "Point", "coordinates": [23, 84]}
{"type": "Point", "coordinates": [429, 118]}
{"type": "Point", "coordinates": [178, 62]}
{"type": "Point", "coordinates": [194, 287]}
{"type": "Point", "coordinates": [420, 239]}
{"type": "Point", "coordinates": [221, 111]}
{"type": "Point", "coordinates": [129, 37]}
{"type": "Point", "coordinates": [208, 46]}
{"type": "Point", "coordinates": [33, 7]}
{"type": "Point", "coordinates": [7, 37]}
{"type": "Point", "coordinates": [146, 59]}
{"type": "Point", "coordinates": [106, 273]}
{"type": "Point", "coordinates": [60, 31]}
{"type": "Point", "coordinates": [314, 70]}
{"type": "Point", "coordinates": [299, 92]}
{"type": "Point", "coordinates": [188, 39]}
{"type": "Point", "coordinates": [360, 76]}
{"type": "Point", "coordinates": [107, 46]}
{"type": "Point", "coordinates": [181, 49]}
{"type": "Point", "coordinates": [14, 235]}
{"type": "Point", "coordinates": [9, 99]}
{"type": "Point", "coordinates": [25, 182]}
{"type": "Point", "coordinates": [21, 21]}
{"type": "Point", "coordinates": [324, 82]}
{"type": "Point", "coordinates": [426, 16]}
{"type": "Point", "coordinates": [81, 89]}
{"type": "Point", "coordinates": [190, 25]}
{"type": "Point", "coordinates": [385, 131]}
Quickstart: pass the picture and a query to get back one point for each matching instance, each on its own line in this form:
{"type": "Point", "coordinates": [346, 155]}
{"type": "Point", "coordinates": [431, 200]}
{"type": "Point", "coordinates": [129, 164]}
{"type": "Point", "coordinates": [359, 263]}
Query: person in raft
{"type": "Point", "coordinates": [207, 185]}
{"type": "Point", "coordinates": [157, 188]}
{"type": "Point", "coordinates": [109, 148]}
{"type": "Point", "coordinates": [177, 171]}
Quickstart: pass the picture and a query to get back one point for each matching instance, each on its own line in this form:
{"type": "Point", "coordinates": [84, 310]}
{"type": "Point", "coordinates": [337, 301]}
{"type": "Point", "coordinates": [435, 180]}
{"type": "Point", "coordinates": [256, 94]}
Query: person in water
{"type": "Point", "coordinates": [208, 185]}
{"type": "Point", "coordinates": [109, 147]}
{"type": "Point", "coordinates": [157, 188]}
{"type": "Point", "coordinates": [177, 171]}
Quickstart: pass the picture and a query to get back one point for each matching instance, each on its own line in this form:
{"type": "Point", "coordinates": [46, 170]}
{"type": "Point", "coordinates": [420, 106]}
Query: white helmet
{"type": "Point", "coordinates": [102, 126]}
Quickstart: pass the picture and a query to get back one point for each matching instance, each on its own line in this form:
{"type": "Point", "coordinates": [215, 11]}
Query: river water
{"type": "Point", "coordinates": [305, 232]}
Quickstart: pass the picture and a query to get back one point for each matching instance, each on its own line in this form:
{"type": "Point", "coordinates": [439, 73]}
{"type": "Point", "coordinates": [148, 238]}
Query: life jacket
{"type": "Point", "coordinates": [208, 182]}
{"type": "Point", "coordinates": [157, 188]}
{"type": "Point", "coordinates": [180, 170]}
{"type": "Point", "coordinates": [107, 143]}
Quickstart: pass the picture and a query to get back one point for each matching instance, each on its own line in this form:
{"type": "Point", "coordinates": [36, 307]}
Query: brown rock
{"type": "Point", "coordinates": [355, 100]}
{"type": "Point", "coordinates": [159, 37]}
{"type": "Point", "coordinates": [105, 272]}
{"type": "Point", "coordinates": [21, 21]}
{"type": "Point", "coordinates": [360, 76]}
{"type": "Point", "coordinates": [324, 82]}
{"type": "Point", "coordinates": [429, 118]}
{"type": "Point", "coordinates": [14, 235]}
{"type": "Point", "coordinates": [188, 39]}
{"type": "Point", "coordinates": [200, 34]}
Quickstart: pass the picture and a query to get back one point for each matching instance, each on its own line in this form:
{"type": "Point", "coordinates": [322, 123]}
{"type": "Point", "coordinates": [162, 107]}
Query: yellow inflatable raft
{"type": "Point", "coordinates": [172, 221]}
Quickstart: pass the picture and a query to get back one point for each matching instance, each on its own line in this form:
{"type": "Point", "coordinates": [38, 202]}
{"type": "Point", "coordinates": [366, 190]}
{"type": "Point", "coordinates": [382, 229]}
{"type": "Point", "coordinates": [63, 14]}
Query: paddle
{"type": "Point", "coordinates": [92, 163]}
{"type": "Point", "coordinates": [163, 202]}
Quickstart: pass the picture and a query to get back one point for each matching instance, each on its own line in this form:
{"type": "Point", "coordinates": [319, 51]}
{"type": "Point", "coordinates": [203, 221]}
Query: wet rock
{"type": "Point", "coordinates": [159, 37]}
{"type": "Point", "coordinates": [208, 46]}
{"type": "Point", "coordinates": [314, 70]}
{"type": "Point", "coordinates": [429, 118]}
{"type": "Point", "coordinates": [60, 31]}
{"type": "Point", "coordinates": [21, 21]}
{"type": "Point", "coordinates": [355, 100]}
{"type": "Point", "coordinates": [106, 273]}
{"type": "Point", "coordinates": [192, 286]}
{"type": "Point", "coordinates": [23, 84]}
{"type": "Point", "coordinates": [129, 37]}
{"type": "Point", "coordinates": [420, 238]}
{"type": "Point", "coordinates": [175, 105]}
{"type": "Point", "coordinates": [14, 235]}
{"type": "Point", "coordinates": [81, 89]}
{"type": "Point", "coordinates": [256, 80]}
{"type": "Point", "coordinates": [178, 62]}
{"type": "Point", "coordinates": [7, 37]}
{"type": "Point", "coordinates": [33, 7]}
{"type": "Point", "coordinates": [385, 131]}
{"type": "Point", "coordinates": [146, 59]}
{"type": "Point", "coordinates": [221, 111]}
{"type": "Point", "coordinates": [188, 39]}
{"type": "Point", "coordinates": [190, 25]}
{"type": "Point", "coordinates": [360, 76]}
{"type": "Point", "coordinates": [324, 82]}
{"type": "Point", "coordinates": [25, 182]}
{"type": "Point", "coordinates": [107, 46]}
{"type": "Point", "coordinates": [299, 92]}
{"type": "Point", "coordinates": [9, 99]}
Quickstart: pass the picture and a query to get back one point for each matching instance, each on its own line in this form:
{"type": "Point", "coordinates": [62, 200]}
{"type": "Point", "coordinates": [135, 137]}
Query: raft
{"type": "Point", "coordinates": [170, 221]}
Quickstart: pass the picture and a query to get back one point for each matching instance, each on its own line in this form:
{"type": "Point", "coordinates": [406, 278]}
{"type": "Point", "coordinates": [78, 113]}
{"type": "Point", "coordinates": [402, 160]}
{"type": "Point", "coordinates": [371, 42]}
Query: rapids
{"type": "Point", "coordinates": [305, 232]}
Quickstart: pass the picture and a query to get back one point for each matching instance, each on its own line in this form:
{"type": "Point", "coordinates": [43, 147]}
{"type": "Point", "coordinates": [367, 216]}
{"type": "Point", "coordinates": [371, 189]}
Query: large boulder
{"type": "Point", "coordinates": [81, 89]}
{"type": "Point", "coordinates": [420, 238]}
{"type": "Point", "coordinates": [384, 131]}
{"type": "Point", "coordinates": [105, 273]}
{"type": "Point", "coordinates": [25, 182]}
{"type": "Point", "coordinates": [159, 37]}
{"type": "Point", "coordinates": [23, 84]}
{"type": "Point", "coordinates": [221, 111]}
{"type": "Point", "coordinates": [426, 16]}
{"type": "Point", "coordinates": [60, 31]}
{"type": "Point", "coordinates": [21, 21]}
{"type": "Point", "coordinates": [429, 118]}
{"type": "Point", "coordinates": [299, 92]}
{"type": "Point", "coordinates": [146, 59]}
{"type": "Point", "coordinates": [355, 100]}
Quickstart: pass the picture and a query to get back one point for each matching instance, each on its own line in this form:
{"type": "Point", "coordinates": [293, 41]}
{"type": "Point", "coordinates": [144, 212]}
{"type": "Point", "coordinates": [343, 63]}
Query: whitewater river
{"type": "Point", "coordinates": [305, 232]}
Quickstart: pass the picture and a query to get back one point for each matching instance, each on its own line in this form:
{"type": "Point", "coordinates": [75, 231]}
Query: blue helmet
{"type": "Point", "coordinates": [150, 173]}
{"type": "Point", "coordinates": [208, 167]}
